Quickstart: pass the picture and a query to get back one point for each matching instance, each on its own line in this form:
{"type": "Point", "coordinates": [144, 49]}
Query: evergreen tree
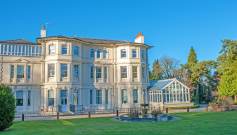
{"type": "Point", "coordinates": [227, 69]}
{"type": "Point", "coordinates": [156, 71]}
{"type": "Point", "coordinates": [192, 58]}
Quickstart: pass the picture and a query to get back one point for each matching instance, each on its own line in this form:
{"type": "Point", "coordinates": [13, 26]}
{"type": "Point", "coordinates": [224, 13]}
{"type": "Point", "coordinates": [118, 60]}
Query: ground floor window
{"type": "Point", "coordinates": [135, 95]}
{"type": "Point", "coordinates": [124, 96]}
{"type": "Point", "coordinates": [106, 96]}
{"type": "Point", "coordinates": [91, 96]}
{"type": "Point", "coordinates": [19, 98]}
{"type": "Point", "coordinates": [98, 96]}
{"type": "Point", "coordinates": [63, 97]}
{"type": "Point", "coordinates": [28, 98]}
{"type": "Point", "coordinates": [50, 98]}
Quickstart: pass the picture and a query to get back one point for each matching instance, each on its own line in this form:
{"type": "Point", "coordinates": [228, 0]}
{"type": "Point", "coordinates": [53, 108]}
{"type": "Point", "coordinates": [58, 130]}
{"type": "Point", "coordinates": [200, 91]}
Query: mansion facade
{"type": "Point", "coordinates": [69, 74]}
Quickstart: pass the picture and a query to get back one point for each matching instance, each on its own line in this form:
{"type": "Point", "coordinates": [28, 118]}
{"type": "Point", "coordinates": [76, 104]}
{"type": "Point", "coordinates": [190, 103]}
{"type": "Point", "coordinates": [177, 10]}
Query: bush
{"type": "Point", "coordinates": [7, 107]}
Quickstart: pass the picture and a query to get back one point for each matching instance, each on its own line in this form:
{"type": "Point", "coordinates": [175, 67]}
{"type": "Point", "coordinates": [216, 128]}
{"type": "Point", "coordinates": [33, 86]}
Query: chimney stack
{"type": "Point", "coordinates": [139, 38]}
{"type": "Point", "coordinates": [43, 32]}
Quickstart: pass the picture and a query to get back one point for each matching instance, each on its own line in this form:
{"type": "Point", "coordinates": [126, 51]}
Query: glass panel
{"type": "Point", "coordinates": [19, 98]}
{"type": "Point", "coordinates": [64, 50]}
{"type": "Point", "coordinates": [51, 50]}
{"type": "Point", "coordinates": [63, 70]}
{"type": "Point", "coordinates": [98, 96]}
{"type": "Point", "coordinates": [91, 96]}
{"type": "Point", "coordinates": [28, 72]}
{"type": "Point", "coordinates": [63, 97]}
{"type": "Point", "coordinates": [51, 70]}
{"type": "Point", "coordinates": [12, 71]}
{"type": "Point", "coordinates": [92, 53]}
{"type": "Point", "coordinates": [106, 96]}
{"type": "Point", "coordinates": [123, 53]}
{"type": "Point", "coordinates": [29, 98]}
{"type": "Point", "coordinates": [105, 74]}
{"type": "Point", "coordinates": [75, 50]}
{"type": "Point", "coordinates": [134, 72]}
{"type": "Point", "coordinates": [98, 72]}
{"type": "Point", "coordinates": [123, 71]}
{"type": "Point", "coordinates": [124, 96]}
{"type": "Point", "coordinates": [135, 96]}
{"type": "Point", "coordinates": [92, 72]}
{"type": "Point", "coordinates": [20, 71]}
{"type": "Point", "coordinates": [76, 72]}
{"type": "Point", "coordinates": [134, 53]}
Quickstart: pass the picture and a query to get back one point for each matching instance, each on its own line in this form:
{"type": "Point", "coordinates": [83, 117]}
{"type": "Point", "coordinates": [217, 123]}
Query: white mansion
{"type": "Point", "coordinates": [59, 73]}
{"type": "Point", "coordinates": [70, 74]}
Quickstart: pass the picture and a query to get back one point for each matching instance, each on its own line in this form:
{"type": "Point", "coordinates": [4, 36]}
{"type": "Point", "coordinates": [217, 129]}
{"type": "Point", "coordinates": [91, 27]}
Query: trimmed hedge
{"type": "Point", "coordinates": [7, 107]}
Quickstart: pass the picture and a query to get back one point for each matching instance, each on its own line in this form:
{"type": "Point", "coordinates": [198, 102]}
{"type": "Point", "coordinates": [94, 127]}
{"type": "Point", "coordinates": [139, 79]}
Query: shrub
{"type": "Point", "coordinates": [7, 107]}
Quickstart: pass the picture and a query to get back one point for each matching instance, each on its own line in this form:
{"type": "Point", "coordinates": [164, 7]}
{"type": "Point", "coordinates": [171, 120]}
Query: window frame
{"type": "Point", "coordinates": [63, 72]}
{"type": "Point", "coordinates": [134, 53]}
{"type": "Point", "coordinates": [98, 97]}
{"type": "Point", "coordinates": [64, 49]}
{"type": "Point", "coordinates": [124, 96]}
{"type": "Point", "coordinates": [19, 98]}
{"type": "Point", "coordinates": [123, 53]}
{"type": "Point", "coordinates": [123, 72]}
{"type": "Point", "coordinates": [51, 72]}
{"type": "Point", "coordinates": [22, 75]}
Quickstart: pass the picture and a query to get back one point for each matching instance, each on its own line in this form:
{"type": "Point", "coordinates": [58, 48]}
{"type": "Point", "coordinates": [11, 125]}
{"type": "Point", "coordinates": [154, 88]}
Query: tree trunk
{"type": "Point", "coordinates": [235, 98]}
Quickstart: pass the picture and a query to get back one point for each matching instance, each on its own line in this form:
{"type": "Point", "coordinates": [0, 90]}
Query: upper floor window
{"type": "Point", "coordinates": [124, 96]}
{"type": "Point", "coordinates": [20, 71]}
{"type": "Point", "coordinates": [64, 50]}
{"type": "Point", "coordinates": [11, 71]}
{"type": "Point", "coordinates": [143, 72]}
{"type": "Point", "coordinates": [134, 72]}
{"type": "Point", "coordinates": [76, 72]}
{"type": "Point", "coordinates": [63, 70]}
{"type": "Point", "coordinates": [98, 53]}
{"type": "Point", "coordinates": [105, 54]}
{"type": "Point", "coordinates": [123, 53]}
{"type": "Point", "coordinates": [98, 72]}
{"type": "Point", "coordinates": [134, 53]}
{"type": "Point", "coordinates": [105, 74]}
{"type": "Point", "coordinates": [52, 49]}
{"type": "Point", "coordinates": [92, 53]}
{"type": "Point", "coordinates": [98, 96]}
{"type": "Point", "coordinates": [75, 50]}
{"type": "Point", "coordinates": [19, 98]}
{"type": "Point", "coordinates": [51, 70]}
{"type": "Point", "coordinates": [123, 70]}
{"type": "Point", "coordinates": [92, 72]}
{"type": "Point", "coordinates": [143, 54]}
{"type": "Point", "coordinates": [28, 72]}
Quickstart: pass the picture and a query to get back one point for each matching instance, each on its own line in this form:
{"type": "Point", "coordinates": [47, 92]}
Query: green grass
{"type": "Point", "coordinates": [222, 123]}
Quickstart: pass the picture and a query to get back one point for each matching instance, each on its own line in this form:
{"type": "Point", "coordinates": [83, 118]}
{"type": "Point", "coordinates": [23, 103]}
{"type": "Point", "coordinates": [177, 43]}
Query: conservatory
{"type": "Point", "coordinates": [169, 92]}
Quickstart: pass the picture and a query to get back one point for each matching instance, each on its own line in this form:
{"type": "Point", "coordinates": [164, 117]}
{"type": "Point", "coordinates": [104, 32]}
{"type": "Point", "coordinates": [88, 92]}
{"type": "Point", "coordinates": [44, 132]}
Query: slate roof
{"type": "Point", "coordinates": [18, 41]}
{"type": "Point", "coordinates": [92, 40]}
{"type": "Point", "coordinates": [160, 84]}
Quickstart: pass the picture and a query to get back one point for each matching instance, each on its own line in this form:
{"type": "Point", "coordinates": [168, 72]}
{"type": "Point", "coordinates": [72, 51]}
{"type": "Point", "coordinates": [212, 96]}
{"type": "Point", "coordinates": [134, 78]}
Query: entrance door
{"type": "Point", "coordinates": [63, 98]}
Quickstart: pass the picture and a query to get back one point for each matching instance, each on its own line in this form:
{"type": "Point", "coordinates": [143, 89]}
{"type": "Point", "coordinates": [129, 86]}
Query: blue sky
{"type": "Point", "coordinates": [171, 26]}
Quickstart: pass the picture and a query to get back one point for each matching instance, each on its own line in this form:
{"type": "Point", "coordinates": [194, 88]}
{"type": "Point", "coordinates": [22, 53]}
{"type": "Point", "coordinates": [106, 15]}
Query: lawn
{"type": "Point", "coordinates": [222, 123]}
